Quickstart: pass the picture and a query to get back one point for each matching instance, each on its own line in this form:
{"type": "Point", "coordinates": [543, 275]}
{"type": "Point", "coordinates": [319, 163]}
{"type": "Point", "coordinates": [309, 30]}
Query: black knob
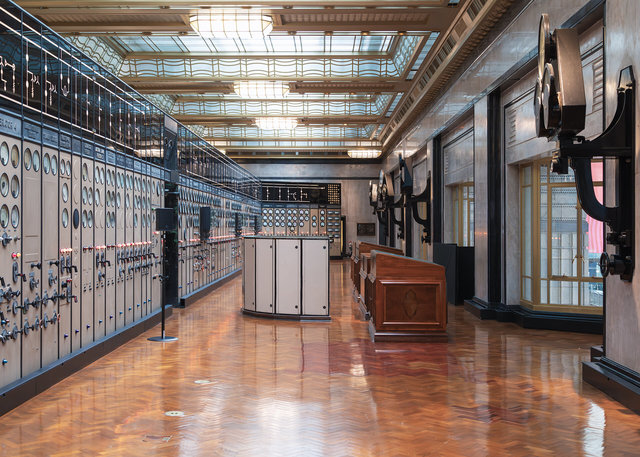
{"type": "Point", "coordinates": [612, 264]}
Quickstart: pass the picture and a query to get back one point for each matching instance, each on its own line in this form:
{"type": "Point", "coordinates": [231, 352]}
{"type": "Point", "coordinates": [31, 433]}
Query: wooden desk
{"type": "Point", "coordinates": [360, 249]}
{"type": "Point", "coordinates": [406, 298]}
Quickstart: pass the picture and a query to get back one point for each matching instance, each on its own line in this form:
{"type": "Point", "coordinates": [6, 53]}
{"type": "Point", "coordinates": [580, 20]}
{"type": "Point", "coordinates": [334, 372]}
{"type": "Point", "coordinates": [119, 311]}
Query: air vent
{"type": "Point", "coordinates": [475, 7]}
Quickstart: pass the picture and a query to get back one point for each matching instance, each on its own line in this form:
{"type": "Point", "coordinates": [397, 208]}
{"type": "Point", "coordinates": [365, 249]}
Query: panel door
{"type": "Point", "coordinates": [88, 260]}
{"type": "Point", "coordinates": [74, 260]}
{"type": "Point", "coordinates": [315, 277]}
{"type": "Point", "coordinates": [249, 274]}
{"type": "Point", "coordinates": [31, 259]}
{"type": "Point", "coordinates": [100, 281]}
{"type": "Point", "coordinates": [50, 251]}
{"type": "Point", "coordinates": [11, 247]}
{"type": "Point", "coordinates": [264, 275]}
{"type": "Point", "coordinates": [121, 249]}
{"type": "Point", "coordinates": [109, 265]}
{"type": "Point", "coordinates": [130, 285]}
{"type": "Point", "coordinates": [288, 276]}
{"type": "Point", "coordinates": [65, 278]}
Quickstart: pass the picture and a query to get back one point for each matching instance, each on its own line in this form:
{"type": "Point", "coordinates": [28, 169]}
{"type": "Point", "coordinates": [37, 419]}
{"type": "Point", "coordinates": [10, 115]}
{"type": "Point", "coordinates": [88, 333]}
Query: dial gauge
{"type": "Point", "coordinates": [65, 192]}
{"type": "Point", "coordinates": [15, 187]}
{"type": "Point", "coordinates": [27, 159]}
{"type": "Point", "coordinates": [36, 161]}
{"type": "Point", "coordinates": [85, 172]}
{"type": "Point", "coordinates": [54, 165]}
{"type": "Point", "coordinates": [15, 216]}
{"type": "Point", "coordinates": [4, 153]}
{"type": "Point", "coordinates": [46, 163]}
{"type": "Point", "coordinates": [15, 156]}
{"type": "Point", "coordinates": [65, 218]}
{"type": "Point", "coordinates": [4, 184]}
{"type": "Point", "coordinates": [4, 216]}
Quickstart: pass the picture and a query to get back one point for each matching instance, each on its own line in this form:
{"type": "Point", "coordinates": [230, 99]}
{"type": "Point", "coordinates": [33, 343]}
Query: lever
{"type": "Point", "coordinates": [5, 239]}
{"type": "Point", "coordinates": [37, 265]}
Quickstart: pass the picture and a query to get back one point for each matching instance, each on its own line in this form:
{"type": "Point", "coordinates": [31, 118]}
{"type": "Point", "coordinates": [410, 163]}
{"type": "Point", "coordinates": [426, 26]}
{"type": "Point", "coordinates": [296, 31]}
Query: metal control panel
{"type": "Point", "coordinates": [84, 163]}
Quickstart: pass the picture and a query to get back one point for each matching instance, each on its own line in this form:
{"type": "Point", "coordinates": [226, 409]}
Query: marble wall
{"type": "Point", "coordinates": [623, 298]}
{"type": "Point", "coordinates": [354, 179]}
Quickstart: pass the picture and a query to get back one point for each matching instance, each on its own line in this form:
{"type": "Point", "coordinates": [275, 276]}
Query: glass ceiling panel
{"type": "Point", "coordinates": [281, 108]}
{"type": "Point", "coordinates": [272, 44]}
{"type": "Point", "coordinates": [301, 131]}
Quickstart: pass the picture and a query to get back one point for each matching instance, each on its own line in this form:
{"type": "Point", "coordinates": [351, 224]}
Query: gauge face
{"type": "Point", "coordinates": [15, 216]}
{"type": "Point", "coordinates": [54, 165]}
{"type": "Point", "coordinates": [97, 197]}
{"type": "Point", "coordinates": [15, 156]}
{"type": "Point", "coordinates": [65, 218]}
{"type": "Point", "coordinates": [127, 202]}
{"type": "Point", "coordinates": [135, 220]}
{"type": "Point", "coordinates": [85, 172]}
{"type": "Point", "coordinates": [90, 196]}
{"type": "Point", "coordinates": [27, 159]}
{"type": "Point", "coordinates": [15, 186]}
{"type": "Point", "coordinates": [101, 176]}
{"type": "Point", "coordinates": [4, 153]}
{"type": "Point", "coordinates": [65, 192]}
{"type": "Point", "coordinates": [108, 178]}
{"type": "Point", "coordinates": [84, 218]}
{"type": "Point", "coordinates": [4, 185]}
{"type": "Point", "coordinates": [4, 216]}
{"type": "Point", "coordinates": [36, 161]}
{"type": "Point", "coordinates": [90, 218]}
{"type": "Point", "coordinates": [118, 201]}
{"type": "Point", "coordinates": [84, 195]}
{"type": "Point", "coordinates": [46, 164]}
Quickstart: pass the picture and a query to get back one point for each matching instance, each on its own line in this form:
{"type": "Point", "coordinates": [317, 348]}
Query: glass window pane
{"type": "Point", "coordinates": [592, 294]}
{"type": "Point", "coordinates": [527, 229]}
{"type": "Point", "coordinates": [563, 231]}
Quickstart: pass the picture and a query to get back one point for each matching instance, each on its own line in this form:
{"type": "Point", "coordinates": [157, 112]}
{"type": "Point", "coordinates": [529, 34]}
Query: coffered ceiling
{"type": "Point", "coordinates": [354, 74]}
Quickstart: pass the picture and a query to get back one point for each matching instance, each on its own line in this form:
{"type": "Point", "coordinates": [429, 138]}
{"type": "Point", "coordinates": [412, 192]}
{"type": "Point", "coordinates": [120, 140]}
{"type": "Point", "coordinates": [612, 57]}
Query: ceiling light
{"type": "Point", "coordinates": [364, 153]}
{"type": "Point", "coordinates": [276, 123]}
{"type": "Point", "coordinates": [261, 89]}
{"type": "Point", "coordinates": [231, 23]}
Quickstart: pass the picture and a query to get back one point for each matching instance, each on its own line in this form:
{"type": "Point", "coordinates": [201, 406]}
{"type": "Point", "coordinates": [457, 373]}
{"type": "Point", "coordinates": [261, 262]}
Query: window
{"type": "Point", "coordinates": [462, 198]}
{"type": "Point", "coordinates": [560, 244]}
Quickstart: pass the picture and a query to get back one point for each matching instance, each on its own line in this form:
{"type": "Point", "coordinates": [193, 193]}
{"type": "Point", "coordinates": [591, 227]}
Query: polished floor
{"type": "Point", "coordinates": [240, 386]}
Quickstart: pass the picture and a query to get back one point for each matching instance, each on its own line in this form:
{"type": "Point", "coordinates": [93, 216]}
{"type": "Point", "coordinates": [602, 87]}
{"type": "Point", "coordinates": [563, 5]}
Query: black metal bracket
{"type": "Point", "coordinates": [616, 142]}
{"type": "Point", "coordinates": [424, 197]}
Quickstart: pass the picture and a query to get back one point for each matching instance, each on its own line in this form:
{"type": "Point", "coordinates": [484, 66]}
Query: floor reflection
{"type": "Point", "coordinates": [286, 388]}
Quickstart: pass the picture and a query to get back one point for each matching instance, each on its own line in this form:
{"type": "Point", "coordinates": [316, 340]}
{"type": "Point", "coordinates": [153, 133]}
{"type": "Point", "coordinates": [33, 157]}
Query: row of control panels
{"type": "Point", "coordinates": [303, 220]}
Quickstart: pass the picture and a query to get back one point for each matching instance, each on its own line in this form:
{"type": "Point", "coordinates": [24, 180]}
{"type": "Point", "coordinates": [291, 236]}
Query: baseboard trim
{"type": "Point", "coordinates": [524, 317]}
{"type": "Point", "coordinates": [617, 381]}
{"type": "Point", "coordinates": [197, 294]}
{"type": "Point", "coordinates": [23, 389]}
{"type": "Point", "coordinates": [479, 308]}
{"type": "Point", "coordinates": [286, 317]}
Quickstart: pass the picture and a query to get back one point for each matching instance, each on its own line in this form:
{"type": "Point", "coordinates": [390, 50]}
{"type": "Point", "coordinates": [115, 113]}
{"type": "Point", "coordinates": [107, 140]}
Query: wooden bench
{"type": "Point", "coordinates": [407, 299]}
{"type": "Point", "coordinates": [361, 248]}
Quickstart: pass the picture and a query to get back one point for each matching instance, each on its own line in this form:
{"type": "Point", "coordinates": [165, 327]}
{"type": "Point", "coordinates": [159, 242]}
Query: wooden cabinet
{"type": "Point", "coordinates": [406, 298]}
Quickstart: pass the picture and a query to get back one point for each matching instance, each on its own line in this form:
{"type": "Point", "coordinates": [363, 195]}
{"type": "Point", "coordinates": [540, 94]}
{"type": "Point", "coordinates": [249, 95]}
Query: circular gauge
{"type": "Point", "coordinates": [118, 200]}
{"type": "Point", "coordinates": [144, 185]}
{"type": "Point", "coordinates": [101, 175]}
{"type": "Point", "coordinates": [144, 221]}
{"type": "Point", "coordinates": [90, 196]}
{"type": "Point", "coordinates": [135, 220]}
{"type": "Point", "coordinates": [97, 197]}
{"type": "Point", "coordinates": [84, 196]}
{"type": "Point", "coordinates": [36, 161]}
{"type": "Point", "coordinates": [65, 218]}
{"type": "Point", "coordinates": [113, 219]}
{"type": "Point", "coordinates": [63, 168]}
{"type": "Point", "coordinates": [85, 172]}
{"type": "Point", "coordinates": [84, 218]}
{"type": "Point", "coordinates": [65, 192]}
{"type": "Point", "coordinates": [90, 218]}
{"type": "Point", "coordinates": [4, 185]}
{"type": "Point", "coordinates": [4, 216]}
{"type": "Point", "coordinates": [118, 179]}
{"type": "Point", "coordinates": [108, 177]}
{"type": "Point", "coordinates": [68, 167]}
{"type": "Point", "coordinates": [15, 156]}
{"type": "Point", "coordinates": [4, 153]}
{"type": "Point", "coordinates": [54, 165]}
{"type": "Point", "coordinates": [28, 159]}
{"type": "Point", "coordinates": [15, 216]}
{"type": "Point", "coordinates": [127, 202]}
{"type": "Point", "coordinates": [15, 186]}
{"type": "Point", "coordinates": [46, 163]}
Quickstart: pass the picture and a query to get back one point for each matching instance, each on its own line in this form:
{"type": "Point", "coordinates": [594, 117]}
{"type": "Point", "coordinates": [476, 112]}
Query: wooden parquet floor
{"type": "Point", "coordinates": [254, 387]}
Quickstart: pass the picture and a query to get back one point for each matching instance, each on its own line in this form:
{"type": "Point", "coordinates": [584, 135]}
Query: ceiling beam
{"type": "Point", "coordinates": [307, 120]}
{"type": "Point", "coordinates": [87, 28]}
{"type": "Point", "coordinates": [193, 4]}
{"type": "Point", "coordinates": [288, 139]}
{"type": "Point", "coordinates": [250, 55]}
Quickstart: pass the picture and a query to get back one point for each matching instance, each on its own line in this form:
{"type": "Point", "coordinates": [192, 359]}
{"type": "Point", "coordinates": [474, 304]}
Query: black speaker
{"type": "Point", "coordinates": [205, 222]}
{"type": "Point", "coordinates": [166, 220]}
